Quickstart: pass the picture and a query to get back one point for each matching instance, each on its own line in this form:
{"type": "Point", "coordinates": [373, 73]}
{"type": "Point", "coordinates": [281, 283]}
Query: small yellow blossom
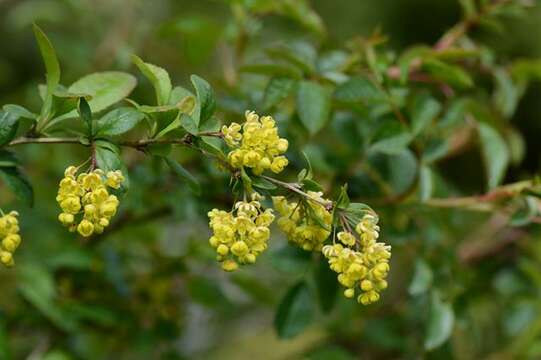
{"type": "Point", "coordinates": [9, 237]}
{"type": "Point", "coordinates": [87, 207]}
{"type": "Point", "coordinates": [297, 221]}
{"type": "Point", "coordinates": [364, 269]}
{"type": "Point", "coordinates": [241, 235]}
{"type": "Point", "coordinates": [256, 144]}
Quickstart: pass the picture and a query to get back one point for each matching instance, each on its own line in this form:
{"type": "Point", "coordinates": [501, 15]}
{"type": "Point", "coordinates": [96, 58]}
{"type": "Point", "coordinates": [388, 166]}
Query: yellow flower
{"type": "Point", "coordinates": [89, 192]}
{"type": "Point", "coordinates": [297, 221]}
{"type": "Point", "coordinates": [365, 268]}
{"type": "Point", "coordinates": [241, 235]}
{"type": "Point", "coordinates": [85, 228]}
{"type": "Point", "coordinates": [9, 237]}
{"type": "Point", "coordinates": [256, 144]}
{"type": "Point", "coordinates": [115, 179]}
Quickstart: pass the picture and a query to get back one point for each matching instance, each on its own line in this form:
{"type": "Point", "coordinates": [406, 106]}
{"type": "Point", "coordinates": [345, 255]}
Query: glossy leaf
{"type": "Point", "coordinates": [206, 103]}
{"type": "Point", "coordinates": [159, 78]}
{"type": "Point", "coordinates": [8, 127]}
{"type": "Point", "coordinates": [118, 121]}
{"type": "Point", "coordinates": [105, 88]}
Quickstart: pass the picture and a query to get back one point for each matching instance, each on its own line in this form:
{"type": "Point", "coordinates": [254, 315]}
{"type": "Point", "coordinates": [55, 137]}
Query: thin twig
{"type": "Point", "coordinates": [296, 188]}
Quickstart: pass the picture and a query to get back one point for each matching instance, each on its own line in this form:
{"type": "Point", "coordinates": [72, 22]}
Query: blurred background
{"type": "Point", "coordinates": [150, 287]}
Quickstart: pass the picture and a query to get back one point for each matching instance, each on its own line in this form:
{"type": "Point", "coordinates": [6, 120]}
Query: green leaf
{"type": "Point", "coordinates": [8, 159]}
{"type": "Point", "coordinates": [52, 67]}
{"type": "Point", "coordinates": [159, 78]}
{"type": "Point", "coordinates": [277, 90]}
{"type": "Point", "coordinates": [440, 323]}
{"type": "Point", "coordinates": [358, 90]}
{"type": "Point", "coordinates": [326, 285]}
{"type": "Point", "coordinates": [184, 174]}
{"type": "Point", "coordinates": [301, 55]}
{"type": "Point", "coordinates": [118, 121]}
{"type": "Point", "coordinates": [188, 123]}
{"type": "Point", "coordinates": [19, 111]}
{"type": "Point", "coordinates": [295, 312]}
{"type": "Point", "coordinates": [506, 94]}
{"type": "Point", "coordinates": [85, 114]}
{"type": "Point", "coordinates": [495, 154]}
{"type": "Point", "coordinates": [107, 156]}
{"type": "Point", "coordinates": [261, 183]}
{"type": "Point", "coordinates": [313, 106]}
{"type": "Point", "coordinates": [422, 278]}
{"type": "Point", "coordinates": [450, 74]}
{"type": "Point", "coordinates": [9, 123]}
{"type": "Point", "coordinates": [426, 183]}
{"type": "Point", "coordinates": [311, 185]}
{"type": "Point", "coordinates": [106, 89]}
{"type": "Point", "coordinates": [18, 183]}
{"type": "Point", "coordinates": [272, 70]}
{"type": "Point", "coordinates": [425, 109]}
{"type": "Point", "coordinates": [206, 103]}
{"type": "Point", "coordinates": [392, 145]}
{"type": "Point", "coordinates": [343, 201]}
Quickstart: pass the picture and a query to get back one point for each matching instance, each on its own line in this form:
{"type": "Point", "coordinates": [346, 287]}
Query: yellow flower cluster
{"type": "Point", "coordinates": [297, 221]}
{"type": "Point", "coordinates": [241, 235]}
{"type": "Point", "coordinates": [9, 233]}
{"type": "Point", "coordinates": [87, 194]}
{"type": "Point", "coordinates": [256, 144]}
{"type": "Point", "coordinates": [366, 268]}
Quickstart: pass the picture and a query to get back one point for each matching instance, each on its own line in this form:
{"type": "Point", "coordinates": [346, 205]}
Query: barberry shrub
{"type": "Point", "coordinates": [308, 151]}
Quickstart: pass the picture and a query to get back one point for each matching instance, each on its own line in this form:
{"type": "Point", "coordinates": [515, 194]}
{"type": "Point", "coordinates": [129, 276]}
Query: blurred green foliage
{"type": "Point", "coordinates": [420, 106]}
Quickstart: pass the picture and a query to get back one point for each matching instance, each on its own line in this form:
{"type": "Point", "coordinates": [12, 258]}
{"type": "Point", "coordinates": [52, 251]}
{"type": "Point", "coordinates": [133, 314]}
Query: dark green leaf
{"type": "Point", "coordinates": [184, 174]}
{"type": "Point", "coordinates": [18, 183]}
{"type": "Point", "coordinates": [107, 156]}
{"type": "Point", "coordinates": [9, 124]}
{"type": "Point", "coordinates": [118, 121]}
{"type": "Point", "coordinates": [261, 183]}
{"type": "Point", "coordinates": [206, 103]}
{"type": "Point", "coordinates": [295, 312]}
{"type": "Point", "coordinates": [313, 105]}
{"type": "Point", "coordinates": [86, 115]}
{"type": "Point", "coordinates": [277, 90]}
{"type": "Point", "coordinates": [326, 285]}
{"type": "Point", "coordinates": [188, 123]}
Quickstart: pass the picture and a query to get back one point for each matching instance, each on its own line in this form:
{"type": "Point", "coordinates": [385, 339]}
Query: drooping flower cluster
{"type": "Point", "coordinates": [241, 235]}
{"type": "Point", "coordinates": [366, 268]}
{"type": "Point", "coordinates": [256, 144]}
{"type": "Point", "coordinates": [9, 233]}
{"type": "Point", "coordinates": [298, 221]}
{"type": "Point", "coordinates": [87, 206]}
